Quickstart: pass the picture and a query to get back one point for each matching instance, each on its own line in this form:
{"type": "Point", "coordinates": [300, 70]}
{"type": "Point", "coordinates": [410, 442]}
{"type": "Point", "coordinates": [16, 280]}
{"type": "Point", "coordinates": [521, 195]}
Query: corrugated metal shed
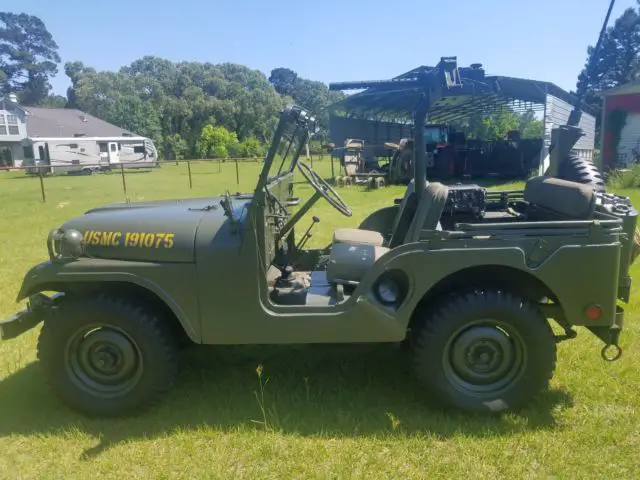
{"type": "Point", "coordinates": [482, 94]}
{"type": "Point", "coordinates": [557, 113]}
{"type": "Point", "coordinates": [489, 93]}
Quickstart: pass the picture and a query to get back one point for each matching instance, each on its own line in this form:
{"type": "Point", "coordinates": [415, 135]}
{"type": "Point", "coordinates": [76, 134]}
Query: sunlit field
{"type": "Point", "coordinates": [327, 412]}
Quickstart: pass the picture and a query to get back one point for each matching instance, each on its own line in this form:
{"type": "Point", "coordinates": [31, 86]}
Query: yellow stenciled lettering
{"type": "Point", "coordinates": [149, 240]}
{"type": "Point", "coordinates": [139, 239]}
{"type": "Point", "coordinates": [95, 238]}
{"type": "Point", "coordinates": [106, 238]}
{"type": "Point", "coordinates": [87, 236]}
{"type": "Point", "coordinates": [159, 238]}
{"type": "Point", "coordinates": [133, 240]}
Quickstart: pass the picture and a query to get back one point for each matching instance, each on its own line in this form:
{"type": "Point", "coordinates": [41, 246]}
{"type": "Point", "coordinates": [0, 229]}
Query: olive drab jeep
{"type": "Point", "coordinates": [470, 280]}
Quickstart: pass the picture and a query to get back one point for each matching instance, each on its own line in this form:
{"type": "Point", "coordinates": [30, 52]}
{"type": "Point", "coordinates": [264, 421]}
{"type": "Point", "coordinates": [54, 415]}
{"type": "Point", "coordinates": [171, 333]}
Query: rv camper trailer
{"type": "Point", "coordinates": [88, 154]}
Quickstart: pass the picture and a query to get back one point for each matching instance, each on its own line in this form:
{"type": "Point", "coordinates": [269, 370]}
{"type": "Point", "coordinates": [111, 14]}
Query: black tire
{"type": "Point", "coordinates": [442, 361]}
{"type": "Point", "coordinates": [580, 170]}
{"type": "Point", "coordinates": [126, 331]}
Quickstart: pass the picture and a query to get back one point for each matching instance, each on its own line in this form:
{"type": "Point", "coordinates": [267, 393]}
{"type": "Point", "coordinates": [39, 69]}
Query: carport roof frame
{"type": "Point", "coordinates": [491, 94]}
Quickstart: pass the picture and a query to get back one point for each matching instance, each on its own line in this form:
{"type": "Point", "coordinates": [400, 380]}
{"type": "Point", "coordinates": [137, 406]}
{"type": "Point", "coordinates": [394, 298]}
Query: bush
{"type": "Point", "coordinates": [630, 178]}
{"type": "Point", "coordinates": [250, 147]}
{"type": "Point", "coordinates": [217, 142]}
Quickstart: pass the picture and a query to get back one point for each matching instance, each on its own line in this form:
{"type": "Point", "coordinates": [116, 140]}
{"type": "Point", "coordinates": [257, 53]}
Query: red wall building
{"type": "Point", "coordinates": [620, 124]}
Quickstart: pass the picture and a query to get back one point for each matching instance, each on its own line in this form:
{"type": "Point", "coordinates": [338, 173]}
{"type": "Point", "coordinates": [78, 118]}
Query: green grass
{"type": "Point", "coordinates": [322, 412]}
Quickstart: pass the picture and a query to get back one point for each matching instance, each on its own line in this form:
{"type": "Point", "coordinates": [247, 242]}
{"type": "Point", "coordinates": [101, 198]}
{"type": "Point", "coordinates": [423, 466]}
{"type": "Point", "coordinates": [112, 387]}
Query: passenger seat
{"type": "Point", "coordinates": [371, 237]}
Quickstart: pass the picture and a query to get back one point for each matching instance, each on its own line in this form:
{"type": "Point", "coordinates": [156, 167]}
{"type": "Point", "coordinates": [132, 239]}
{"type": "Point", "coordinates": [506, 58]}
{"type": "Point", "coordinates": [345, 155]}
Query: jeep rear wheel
{"type": "Point", "coordinates": [107, 357]}
{"type": "Point", "coordinates": [485, 352]}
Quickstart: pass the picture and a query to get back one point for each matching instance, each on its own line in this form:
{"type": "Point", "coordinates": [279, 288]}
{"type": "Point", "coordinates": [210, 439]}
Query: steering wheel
{"type": "Point", "coordinates": [323, 188]}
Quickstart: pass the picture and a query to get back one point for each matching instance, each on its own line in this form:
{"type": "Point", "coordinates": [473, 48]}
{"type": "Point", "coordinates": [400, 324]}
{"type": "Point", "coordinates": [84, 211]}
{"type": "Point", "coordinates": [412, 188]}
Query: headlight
{"type": "Point", "coordinates": [65, 244]}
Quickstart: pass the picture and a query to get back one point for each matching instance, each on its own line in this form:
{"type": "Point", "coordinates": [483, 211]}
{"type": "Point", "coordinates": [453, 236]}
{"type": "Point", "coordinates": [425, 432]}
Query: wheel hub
{"type": "Point", "coordinates": [104, 361]}
{"type": "Point", "coordinates": [483, 358]}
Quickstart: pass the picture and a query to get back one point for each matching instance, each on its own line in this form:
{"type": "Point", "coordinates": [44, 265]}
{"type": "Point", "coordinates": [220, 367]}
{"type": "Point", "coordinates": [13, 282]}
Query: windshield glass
{"type": "Point", "coordinates": [288, 150]}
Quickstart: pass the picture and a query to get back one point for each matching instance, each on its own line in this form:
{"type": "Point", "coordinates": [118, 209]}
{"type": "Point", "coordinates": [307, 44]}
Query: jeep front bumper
{"type": "Point", "coordinates": [28, 318]}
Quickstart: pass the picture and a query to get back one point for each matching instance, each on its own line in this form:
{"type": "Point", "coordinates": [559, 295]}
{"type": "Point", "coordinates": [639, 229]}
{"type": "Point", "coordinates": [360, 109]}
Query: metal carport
{"type": "Point", "coordinates": [477, 93]}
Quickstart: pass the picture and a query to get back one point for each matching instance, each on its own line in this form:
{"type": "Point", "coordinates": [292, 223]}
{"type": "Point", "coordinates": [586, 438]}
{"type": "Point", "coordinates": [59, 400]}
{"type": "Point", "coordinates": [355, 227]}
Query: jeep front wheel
{"type": "Point", "coordinates": [485, 351]}
{"type": "Point", "coordinates": [107, 356]}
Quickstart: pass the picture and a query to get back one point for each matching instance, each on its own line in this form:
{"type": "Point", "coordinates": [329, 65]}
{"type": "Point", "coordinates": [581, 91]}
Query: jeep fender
{"type": "Point", "coordinates": [426, 268]}
{"type": "Point", "coordinates": [50, 276]}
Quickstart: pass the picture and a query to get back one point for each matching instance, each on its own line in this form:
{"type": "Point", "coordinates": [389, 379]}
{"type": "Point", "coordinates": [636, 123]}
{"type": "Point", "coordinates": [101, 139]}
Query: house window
{"type": "Point", "coordinates": [12, 121]}
{"type": "Point", "coordinates": [103, 147]}
{"type": "Point", "coordinates": [3, 125]}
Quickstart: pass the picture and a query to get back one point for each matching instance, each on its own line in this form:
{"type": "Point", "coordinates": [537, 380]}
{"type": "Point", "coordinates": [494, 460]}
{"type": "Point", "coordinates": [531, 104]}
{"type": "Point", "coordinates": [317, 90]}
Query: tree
{"type": "Point", "coordinates": [530, 127]}
{"type": "Point", "coordinates": [175, 147]}
{"type": "Point", "coordinates": [284, 80]}
{"type": "Point", "coordinates": [75, 70]}
{"type": "Point", "coordinates": [217, 142]}
{"type": "Point", "coordinates": [249, 147]}
{"type": "Point", "coordinates": [310, 94]}
{"type": "Point", "coordinates": [615, 64]}
{"type": "Point", "coordinates": [28, 57]}
{"type": "Point", "coordinates": [53, 101]}
{"type": "Point", "coordinates": [174, 102]}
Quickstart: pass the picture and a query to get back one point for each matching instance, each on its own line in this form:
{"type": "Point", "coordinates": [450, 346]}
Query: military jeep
{"type": "Point", "coordinates": [468, 279]}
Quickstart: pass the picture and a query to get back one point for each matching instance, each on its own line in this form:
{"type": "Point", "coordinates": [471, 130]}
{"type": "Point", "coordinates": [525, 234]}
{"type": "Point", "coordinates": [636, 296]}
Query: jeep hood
{"type": "Point", "coordinates": [158, 231]}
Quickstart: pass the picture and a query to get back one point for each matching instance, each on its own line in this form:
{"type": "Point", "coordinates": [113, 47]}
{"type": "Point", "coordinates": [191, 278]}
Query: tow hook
{"type": "Point", "coordinates": [606, 355]}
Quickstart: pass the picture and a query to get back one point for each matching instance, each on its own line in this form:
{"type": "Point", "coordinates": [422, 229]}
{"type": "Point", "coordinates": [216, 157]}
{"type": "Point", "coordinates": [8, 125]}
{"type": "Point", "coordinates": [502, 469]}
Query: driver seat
{"type": "Point", "coordinates": [349, 262]}
{"type": "Point", "coordinates": [371, 237]}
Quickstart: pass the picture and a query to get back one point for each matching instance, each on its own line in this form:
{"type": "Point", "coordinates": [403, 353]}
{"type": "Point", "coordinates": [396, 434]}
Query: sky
{"type": "Point", "coordinates": [330, 40]}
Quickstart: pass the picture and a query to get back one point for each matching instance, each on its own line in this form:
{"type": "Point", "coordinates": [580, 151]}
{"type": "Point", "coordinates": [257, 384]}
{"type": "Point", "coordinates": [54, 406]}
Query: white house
{"type": "Point", "coordinates": [13, 129]}
{"type": "Point", "coordinates": [67, 140]}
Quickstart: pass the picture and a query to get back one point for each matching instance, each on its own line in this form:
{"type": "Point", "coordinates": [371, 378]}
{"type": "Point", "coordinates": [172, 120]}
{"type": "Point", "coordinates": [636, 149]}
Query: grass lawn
{"type": "Point", "coordinates": [330, 412]}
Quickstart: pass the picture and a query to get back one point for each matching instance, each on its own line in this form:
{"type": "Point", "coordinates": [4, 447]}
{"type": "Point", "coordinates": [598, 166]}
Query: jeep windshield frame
{"type": "Point", "coordinates": [292, 133]}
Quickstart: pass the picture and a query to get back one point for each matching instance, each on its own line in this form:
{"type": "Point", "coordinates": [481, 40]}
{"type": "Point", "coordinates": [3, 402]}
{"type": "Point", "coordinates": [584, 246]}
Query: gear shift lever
{"type": "Point", "coordinates": [307, 235]}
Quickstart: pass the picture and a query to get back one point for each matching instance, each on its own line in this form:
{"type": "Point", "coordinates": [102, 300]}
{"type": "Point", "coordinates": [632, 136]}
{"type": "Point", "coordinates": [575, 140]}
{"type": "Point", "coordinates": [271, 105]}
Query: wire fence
{"type": "Point", "coordinates": [43, 174]}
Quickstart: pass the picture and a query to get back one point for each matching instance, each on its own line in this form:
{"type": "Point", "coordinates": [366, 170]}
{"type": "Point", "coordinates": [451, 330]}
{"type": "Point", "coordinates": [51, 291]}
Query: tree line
{"type": "Point", "coordinates": [193, 109]}
{"type": "Point", "coordinates": [189, 109]}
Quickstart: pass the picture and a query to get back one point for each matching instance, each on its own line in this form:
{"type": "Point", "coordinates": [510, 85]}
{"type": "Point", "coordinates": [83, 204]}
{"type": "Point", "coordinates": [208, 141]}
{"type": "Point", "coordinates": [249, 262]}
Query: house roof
{"type": "Point", "coordinates": [631, 87]}
{"type": "Point", "coordinates": [68, 122]}
{"type": "Point", "coordinates": [7, 101]}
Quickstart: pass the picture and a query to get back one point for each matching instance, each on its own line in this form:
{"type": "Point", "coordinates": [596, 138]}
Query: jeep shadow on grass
{"type": "Point", "coordinates": [468, 281]}
{"type": "Point", "coordinates": [324, 391]}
